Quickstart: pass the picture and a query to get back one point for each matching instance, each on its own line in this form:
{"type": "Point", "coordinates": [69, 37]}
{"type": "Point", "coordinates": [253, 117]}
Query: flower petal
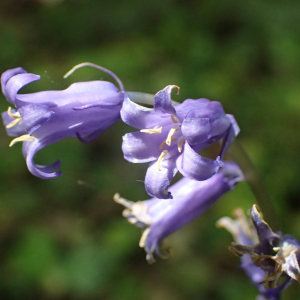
{"type": "Point", "coordinates": [162, 101]}
{"type": "Point", "coordinates": [232, 132]}
{"type": "Point", "coordinates": [33, 116]}
{"type": "Point", "coordinates": [157, 182]}
{"type": "Point", "coordinates": [81, 95]}
{"type": "Point", "coordinates": [138, 116]}
{"type": "Point", "coordinates": [140, 147]}
{"type": "Point", "coordinates": [15, 83]}
{"type": "Point", "coordinates": [44, 172]}
{"type": "Point", "coordinates": [194, 166]}
{"type": "Point", "coordinates": [190, 201]}
{"type": "Point", "coordinates": [7, 75]}
{"type": "Point", "coordinates": [196, 130]}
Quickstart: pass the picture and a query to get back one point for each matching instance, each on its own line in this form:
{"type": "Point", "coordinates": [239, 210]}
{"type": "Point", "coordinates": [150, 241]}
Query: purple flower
{"type": "Point", "coordinates": [170, 137]}
{"type": "Point", "coordinates": [266, 256]}
{"type": "Point", "coordinates": [83, 110]}
{"type": "Point", "coordinates": [159, 218]}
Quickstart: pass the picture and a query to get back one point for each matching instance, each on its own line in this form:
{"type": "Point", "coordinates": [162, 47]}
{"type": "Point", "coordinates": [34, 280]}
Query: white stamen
{"type": "Point", "coordinates": [13, 115]}
{"type": "Point", "coordinates": [180, 144]}
{"type": "Point", "coordinates": [151, 131]}
{"type": "Point", "coordinates": [171, 132]}
{"type": "Point", "coordinates": [161, 158]}
{"type": "Point", "coordinates": [144, 238]}
{"type": "Point", "coordinates": [14, 123]}
{"type": "Point", "coordinates": [22, 138]}
{"type": "Point", "coordinates": [173, 138]}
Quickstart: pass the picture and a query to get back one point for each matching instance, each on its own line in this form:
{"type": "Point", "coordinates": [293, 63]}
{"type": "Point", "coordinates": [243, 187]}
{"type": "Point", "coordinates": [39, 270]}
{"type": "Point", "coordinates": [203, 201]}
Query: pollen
{"type": "Point", "coordinates": [161, 158]}
{"type": "Point", "coordinates": [171, 132]}
{"type": "Point", "coordinates": [22, 138]}
{"type": "Point", "coordinates": [173, 139]}
{"type": "Point", "coordinates": [151, 131]}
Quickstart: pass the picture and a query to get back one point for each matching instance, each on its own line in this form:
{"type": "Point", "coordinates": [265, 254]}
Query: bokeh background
{"type": "Point", "coordinates": [65, 238]}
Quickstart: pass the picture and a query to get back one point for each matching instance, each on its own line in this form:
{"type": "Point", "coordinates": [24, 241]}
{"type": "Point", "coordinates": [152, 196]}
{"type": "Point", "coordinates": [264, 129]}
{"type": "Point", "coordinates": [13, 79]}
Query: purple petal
{"type": "Point", "coordinates": [196, 130]}
{"type": "Point", "coordinates": [194, 166]}
{"type": "Point", "coordinates": [230, 136]}
{"type": "Point", "coordinates": [7, 75]}
{"type": "Point", "coordinates": [140, 147]}
{"type": "Point", "coordinates": [157, 182]}
{"type": "Point", "coordinates": [140, 117]}
{"type": "Point", "coordinates": [162, 101]}
{"type": "Point", "coordinates": [34, 116]}
{"type": "Point", "coordinates": [190, 201]}
{"type": "Point", "coordinates": [44, 172]}
{"type": "Point", "coordinates": [80, 94]}
{"type": "Point", "coordinates": [15, 83]}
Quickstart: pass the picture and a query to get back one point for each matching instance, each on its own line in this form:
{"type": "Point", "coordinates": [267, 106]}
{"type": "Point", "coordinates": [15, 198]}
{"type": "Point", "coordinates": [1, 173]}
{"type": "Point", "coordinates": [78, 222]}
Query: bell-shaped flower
{"type": "Point", "coordinates": [266, 256]}
{"type": "Point", "coordinates": [170, 137]}
{"type": "Point", "coordinates": [159, 218]}
{"type": "Point", "coordinates": [83, 111]}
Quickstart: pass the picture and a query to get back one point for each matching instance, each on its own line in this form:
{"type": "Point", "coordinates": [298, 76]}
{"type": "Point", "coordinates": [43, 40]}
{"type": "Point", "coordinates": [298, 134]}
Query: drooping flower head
{"type": "Point", "coordinates": [170, 137]}
{"type": "Point", "coordinates": [83, 110]}
{"type": "Point", "coordinates": [159, 218]}
{"type": "Point", "coordinates": [266, 256]}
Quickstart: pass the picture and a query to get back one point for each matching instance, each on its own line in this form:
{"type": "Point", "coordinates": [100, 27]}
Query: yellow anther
{"type": "Point", "coordinates": [161, 158]}
{"type": "Point", "coordinates": [22, 138]}
{"type": "Point", "coordinates": [173, 139]}
{"type": "Point", "coordinates": [171, 132]}
{"type": "Point", "coordinates": [13, 115]}
{"type": "Point", "coordinates": [14, 123]}
{"type": "Point", "coordinates": [180, 143]}
{"type": "Point", "coordinates": [151, 131]}
{"type": "Point", "coordinates": [174, 119]}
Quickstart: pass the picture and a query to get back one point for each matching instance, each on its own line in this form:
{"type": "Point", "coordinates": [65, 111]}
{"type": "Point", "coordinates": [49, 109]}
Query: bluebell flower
{"type": "Point", "coordinates": [266, 256]}
{"type": "Point", "coordinates": [170, 137]}
{"type": "Point", "coordinates": [83, 111]}
{"type": "Point", "coordinates": [159, 218]}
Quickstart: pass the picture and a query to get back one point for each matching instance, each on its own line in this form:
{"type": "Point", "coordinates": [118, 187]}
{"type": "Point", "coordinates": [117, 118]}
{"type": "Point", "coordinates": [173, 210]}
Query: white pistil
{"type": "Point", "coordinates": [161, 158]}
{"type": "Point", "coordinates": [151, 131]}
{"type": "Point", "coordinates": [22, 138]}
{"type": "Point", "coordinates": [16, 116]}
{"type": "Point", "coordinates": [173, 139]}
{"type": "Point", "coordinates": [174, 119]}
{"type": "Point", "coordinates": [144, 238]}
{"type": "Point", "coordinates": [171, 132]}
{"type": "Point", "coordinates": [180, 143]}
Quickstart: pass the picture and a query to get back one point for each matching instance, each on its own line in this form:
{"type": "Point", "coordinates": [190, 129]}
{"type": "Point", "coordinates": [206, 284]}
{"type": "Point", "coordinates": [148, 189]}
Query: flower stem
{"type": "Point", "coordinates": [253, 178]}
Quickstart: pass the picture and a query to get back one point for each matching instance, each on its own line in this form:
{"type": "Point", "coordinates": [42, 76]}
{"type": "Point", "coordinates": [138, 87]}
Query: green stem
{"type": "Point", "coordinates": [253, 178]}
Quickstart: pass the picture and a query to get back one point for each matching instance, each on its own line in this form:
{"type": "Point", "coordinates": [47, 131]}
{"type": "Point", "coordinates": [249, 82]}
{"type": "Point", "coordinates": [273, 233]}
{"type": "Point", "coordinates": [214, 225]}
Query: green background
{"type": "Point", "coordinates": [65, 238]}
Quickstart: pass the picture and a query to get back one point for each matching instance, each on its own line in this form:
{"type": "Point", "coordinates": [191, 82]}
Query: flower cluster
{"type": "Point", "coordinates": [170, 138]}
{"type": "Point", "coordinates": [266, 256]}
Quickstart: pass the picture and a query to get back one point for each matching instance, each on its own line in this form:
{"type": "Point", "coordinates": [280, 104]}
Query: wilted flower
{"type": "Point", "coordinates": [83, 110]}
{"type": "Point", "coordinates": [159, 218]}
{"type": "Point", "coordinates": [170, 137]}
{"type": "Point", "coordinates": [266, 256]}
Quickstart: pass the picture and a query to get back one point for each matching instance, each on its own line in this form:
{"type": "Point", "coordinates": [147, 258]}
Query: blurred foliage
{"type": "Point", "coordinates": [65, 238]}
